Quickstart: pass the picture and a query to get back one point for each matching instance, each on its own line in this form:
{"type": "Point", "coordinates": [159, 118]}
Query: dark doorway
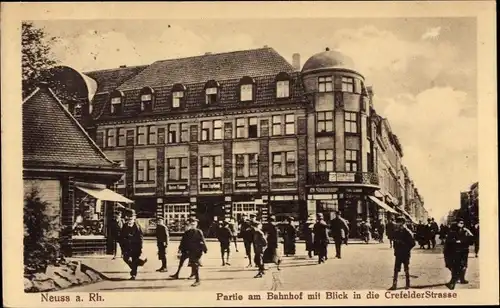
{"type": "Point", "coordinates": [206, 211]}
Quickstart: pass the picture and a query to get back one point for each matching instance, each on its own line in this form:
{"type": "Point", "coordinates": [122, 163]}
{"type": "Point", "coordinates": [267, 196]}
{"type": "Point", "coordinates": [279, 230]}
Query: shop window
{"type": "Point", "coordinates": [122, 141]}
{"type": "Point", "coordinates": [110, 138]}
{"type": "Point", "coordinates": [145, 170]}
{"type": "Point", "coordinates": [277, 125]}
{"type": "Point", "coordinates": [172, 133]}
{"type": "Point", "coordinates": [351, 160]}
{"type": "Point", "coordinates": [325, 84]}
{"type": "Point", "coordinates": [151, 133]}
{"type": "Point", "coordinates": [252, 128]}
{"type": "Point", "coordinates": [184, 136]}
{"type": "Point", "coordinates": [351, 122]}
{"type": "Point", "coordinates": [290, 124]}
{"type": "Point", "coordinates": [328, 207]}
{"type": "Point", "coordinates": [177, 169]}
{"type": "Point", "coordinates": [348, 84]}
{"type": "Point", "coordinates": [89, 217]}
{"type": "Point", "coordinates": [141, 135]}
{"type": "Point", "coordinates": [206, 126]}
{"type": "Point", "coordinates": [217, 130]}
{"type": "Point", "coordinates": [325, 122]}
{"type": "Point", "coordinates": [243, 208]}
{"type": "Point", "coordinates": [325, 160]}
{"type": "Point", "coordinates": [176, 216]}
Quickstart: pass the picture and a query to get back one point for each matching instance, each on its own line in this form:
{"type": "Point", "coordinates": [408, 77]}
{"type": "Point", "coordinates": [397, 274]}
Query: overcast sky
{"type": "Point", "coordinates": [423, 72]}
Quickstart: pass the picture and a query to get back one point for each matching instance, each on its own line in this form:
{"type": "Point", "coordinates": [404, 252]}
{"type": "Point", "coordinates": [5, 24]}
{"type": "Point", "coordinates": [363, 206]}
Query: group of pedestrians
{"type": "Point", "coordinates": [456, 242]}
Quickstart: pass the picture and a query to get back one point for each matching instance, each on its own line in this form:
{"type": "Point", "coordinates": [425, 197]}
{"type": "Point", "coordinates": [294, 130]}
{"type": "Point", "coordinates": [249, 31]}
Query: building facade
{"type": "Point", "coordinates": [221, 135]}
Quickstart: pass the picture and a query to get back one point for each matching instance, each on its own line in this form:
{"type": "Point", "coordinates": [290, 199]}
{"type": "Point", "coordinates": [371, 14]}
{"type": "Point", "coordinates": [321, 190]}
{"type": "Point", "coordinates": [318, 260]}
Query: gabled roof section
{"type": "Point", "coordinates": [109, 79]}
{"type": "Point", "coordinates": [200, 69]}
{"type": "Point", "coordinates": [53, 137]}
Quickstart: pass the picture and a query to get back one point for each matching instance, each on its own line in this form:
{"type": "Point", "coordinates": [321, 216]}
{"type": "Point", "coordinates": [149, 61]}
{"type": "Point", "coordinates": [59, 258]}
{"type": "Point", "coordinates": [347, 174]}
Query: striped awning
{"type": "Point", "coordinates": [382, 204]}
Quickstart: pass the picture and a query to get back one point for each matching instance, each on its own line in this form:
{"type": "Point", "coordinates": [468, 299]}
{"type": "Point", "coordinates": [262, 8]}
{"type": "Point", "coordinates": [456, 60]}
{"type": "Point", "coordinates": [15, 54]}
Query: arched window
{"type": "Point", "coordinates": [147, 99]}
{"type": "Point", "coordinates": [212, 89]}
{"type": "Point", "coordinates": [178, 93]}
{"type": "Point", "coordinates": [247, 89]}
{"type": "Point", "coordinates": [117, 102]}
{"type": "Point", "coordinates": [282, 85]}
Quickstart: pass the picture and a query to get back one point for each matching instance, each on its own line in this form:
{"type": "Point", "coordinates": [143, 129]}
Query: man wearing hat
{"type": "Point", "coordinates": [224, 235]}
{"type": "Point", "coordinates": [307, 231]}
{"type": "Point", "coordinates": [259, 246]}
{"type": "Point", "coordinates": [162, 243]}
{"type": "Point", "coordinates": [271, 254]}
{"type": "Point", "coordinates": [321, 240]}
{"type": "Point", "coordinates": [339, 230]}
{"type": "Point", "coordinates": [403, 244]}
{"type": "Point", "coordinates": [115, 227]}
{"type": "Point", "coordinates": [247, 235]}
{"type": "Point", "coordinates": [194, 245]}
{"type": "Point", "coordinates": [456, 252]}
{"type": "Point", "coordinates": [132, 240]}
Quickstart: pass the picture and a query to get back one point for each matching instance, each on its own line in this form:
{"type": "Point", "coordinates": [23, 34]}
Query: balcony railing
{"type": "Point", "coordinates": [314, 178]}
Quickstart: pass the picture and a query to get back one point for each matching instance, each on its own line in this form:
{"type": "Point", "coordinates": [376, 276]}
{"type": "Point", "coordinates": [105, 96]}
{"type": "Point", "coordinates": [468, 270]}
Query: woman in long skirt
{"type": "Point", "coordinates": [289, 235]}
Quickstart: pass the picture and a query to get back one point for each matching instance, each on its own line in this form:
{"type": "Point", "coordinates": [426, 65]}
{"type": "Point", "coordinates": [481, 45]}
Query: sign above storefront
{"type": "Point", "coordinates": [322, 190]}
{"type": "Point", "coordinates": [211, 186]}
{"type": "Point", "coordinates": [341, 177]}
{"type": "Point", "coordinates": [176, 187]}
{"type": "Point", "coordinates": [246, 184]}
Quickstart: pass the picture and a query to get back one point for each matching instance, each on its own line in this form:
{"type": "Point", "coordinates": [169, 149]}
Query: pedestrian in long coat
{"type": "Point", "coordinates": [307, 231]}
{"type": "Point", "coordinates": [381, 231]}
{"type": "Point", "coordinates": [195, 246]}
{"type": "Point", "coordinates": [259, 246]}
{"type": "Point", "coordinates": [289, 238]}
{"type": "Point", "coordinates": [403, 244]}
{"type": "Point", "coordinates": [246, 232]}
{"type": "Point", "coordinates": [162, 239]}
{"type": "Point", "coordinates": [182, 254]}
{"type": "Point", "coordinates": [115, 229]}
{"type": "Point", "coordinates": [456, 252]}
{"type": "Point", "coordinates": [271, 254]}
{"type": "Point", "coordinates": [132, 241]}
{"type": "Point", "coordinates": [321, 240]}
{"type": "Point", "coordinates": [338, 229]}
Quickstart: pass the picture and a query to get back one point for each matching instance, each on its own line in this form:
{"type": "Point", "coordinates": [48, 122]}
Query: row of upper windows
{"type": "Point", "coordinates": [282, 164]}
{"type": "Point", "coordinates": [209, 130]}
{"type": "Point", "coordinates": [349, 84]}
{"type": "Point", "coordinates": [247, 93]}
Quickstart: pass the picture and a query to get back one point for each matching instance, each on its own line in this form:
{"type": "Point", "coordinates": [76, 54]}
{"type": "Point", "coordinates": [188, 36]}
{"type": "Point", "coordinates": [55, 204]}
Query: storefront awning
{"type": "Point", "coordinates": [104, 194]}
{"type": "Point", "coordinates": [382, 204]}
{"type": "Point", "coordinates": [408, 215]}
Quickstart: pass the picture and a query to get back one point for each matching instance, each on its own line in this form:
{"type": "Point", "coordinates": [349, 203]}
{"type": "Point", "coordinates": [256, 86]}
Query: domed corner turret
{"type": "Point", "coordinates": [328, 60]}
{"type": "Point", "coordinates": [325, 62]}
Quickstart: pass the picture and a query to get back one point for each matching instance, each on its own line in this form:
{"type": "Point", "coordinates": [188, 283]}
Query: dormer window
{"type": "Point", "coordinates": [77, 112]}
{"type": "Point", "coordinates": [147, 99]}
{"type": "Point", "coordinates": [247, 89]}
{"type": "Point", "coordinates": [117, 102]}
{"type": "Point", "coordinates": [178, 91]}
{"type": "Point", "coordinates": [282, 85]}
{"type": "Point", "coordinates": [212, 92]}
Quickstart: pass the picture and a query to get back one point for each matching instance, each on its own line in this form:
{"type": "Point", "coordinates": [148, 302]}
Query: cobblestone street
{"type": "Point", "coordinates": [363, 266]}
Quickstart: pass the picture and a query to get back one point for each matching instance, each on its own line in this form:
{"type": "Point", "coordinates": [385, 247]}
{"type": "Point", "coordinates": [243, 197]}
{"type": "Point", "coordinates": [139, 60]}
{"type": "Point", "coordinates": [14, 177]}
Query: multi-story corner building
{"type": "Point", "coordinates": [220, 135]}
{"type": "Point", "coordinates": [469, 205]}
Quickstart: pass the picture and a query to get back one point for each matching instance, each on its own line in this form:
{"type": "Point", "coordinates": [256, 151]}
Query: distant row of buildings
{"type": "Point", "coordinates": [221, 135]}
{"type": "Point", "coordinates": [469, 206]}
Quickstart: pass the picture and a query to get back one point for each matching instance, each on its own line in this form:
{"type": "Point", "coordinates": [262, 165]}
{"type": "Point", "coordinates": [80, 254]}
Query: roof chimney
{"type": "Point", "coordinates": [123, 66]}
{"type": "Point", "coordinates": [327, 48]}
{"type": "Point", "coordinates": [265, 46]}
{"type": "Point", "coordinates": [208, 53]}
{"type": "Point", "coordinates": [296, 61]}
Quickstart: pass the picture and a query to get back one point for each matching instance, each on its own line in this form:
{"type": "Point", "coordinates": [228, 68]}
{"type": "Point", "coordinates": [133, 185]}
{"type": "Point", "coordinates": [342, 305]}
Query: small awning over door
{"type": "Point", "coordinates": [104, 194]}
{"type": "Point", "coordinates": [382, 204]}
